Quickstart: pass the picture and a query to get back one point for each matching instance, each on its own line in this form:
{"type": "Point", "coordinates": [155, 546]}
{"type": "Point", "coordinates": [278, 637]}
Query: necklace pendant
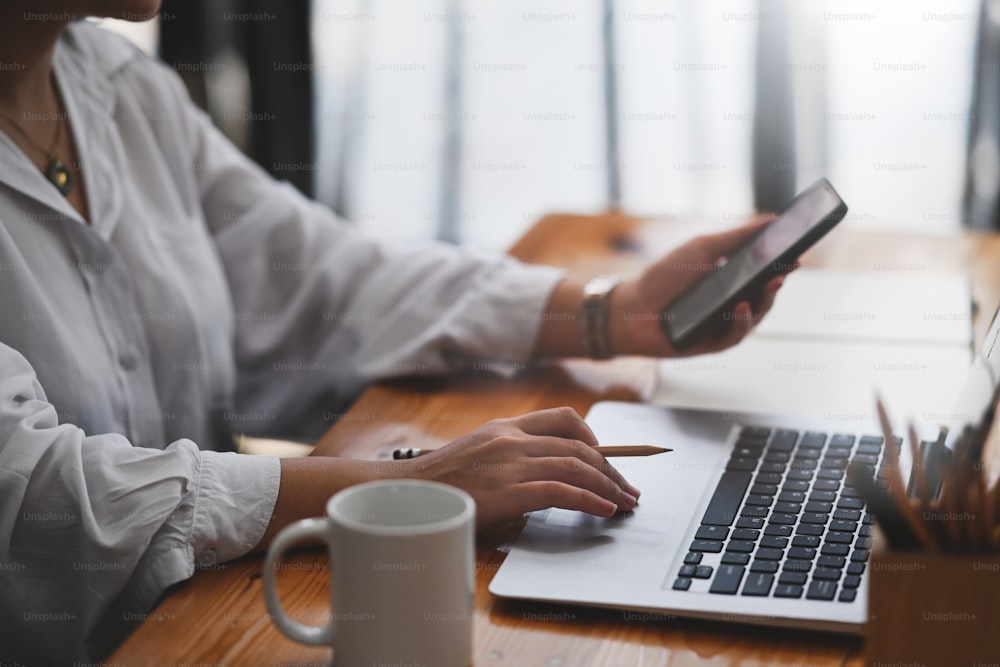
{"type": "Point", "coordinates": [60, 176]}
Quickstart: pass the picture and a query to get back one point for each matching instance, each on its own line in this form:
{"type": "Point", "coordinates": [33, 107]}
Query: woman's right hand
{"type": "Point", "coordinates": [535, 461]}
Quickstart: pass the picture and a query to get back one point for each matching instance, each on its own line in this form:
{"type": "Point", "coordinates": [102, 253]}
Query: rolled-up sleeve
{"type": "Point", "coordinates": [93, 530]}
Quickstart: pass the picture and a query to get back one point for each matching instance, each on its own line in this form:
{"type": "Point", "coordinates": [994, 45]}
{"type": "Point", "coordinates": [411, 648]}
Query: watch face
{"type": "Point", "coordinates": [600, 285]}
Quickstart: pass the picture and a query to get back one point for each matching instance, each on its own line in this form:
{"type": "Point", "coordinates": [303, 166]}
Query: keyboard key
{"type": "Point", "coordinates": [843, 526]}
{"type": "Point", "coordinates": [867, 459]}
{"type": "Point", "coordinates": [792, 497]}
{"type": "Point", "coordinates": [778, 530]}
{"type": "Point", "coordinates": [784, 591]}
{"type": "Point", "coordinates": [838, 451]}
{"type": "Point", "coordinates": [764, 489]}
{"type": "Point", "coordinates": [808, 454]}
{"type": "Point", "coordinates": [755, 511]}
{"type": "Point", "coordinates": [795, 485]}
{"type": "Point", "coordinates": [777, 457]}
{"type": "Point", "coordinates": [822, 496]}
{"type": "Point", "coordinates": [852, 581]}
{"type": "Point", "coordinates": [847, 515]}
{"type": "Point", "coordinates": [826, 573]}
{"type": "Point", "coordinates": [702, 571]}
{"type": "Point", "coordinates": [784, 519]}
{"type": "Point", "coordinates": [835, 562]}
{"type": "Point", "coordinates": [710, 546]}
{"type": "Point", "coordinates": [771, 542]}
{"type": "Point", "coordinates": [764, 553]}
{"type": "Point", "coordinates": [793, 578]}
{"type": "Point", "coordinates": [788, 508]}
{"type": "Point", "coordinates": [784, 440]}
{"type": "Point", "coordinates": [871, 440]}
{"type": "Point", "coordinates": [863, 543]}
{"type": "Point", "coordinates": [734, 558]}
{"type": "Point", "coordinates": [758, 583]}
{"type": "Point", "coordinates": [745, 534]}
{"type": "Point", "coordinates": [762, 501]}
{"type": "Point", "coordinates": [865, 531]}
{"type": "Point", "coordinates": [692, 558]}
{"type": "Point", "coordinates": [812, 439]}
{"type": "Point", "coordinates": [826, 485]}
{"type": "Point", "coordinates": [842, 440]}
{"type": "Point", "coordinates": [835, 549]}
{"type": "Point", "coordinates": [727, 498]}
{"type": "Point", "coordinates": [769, 566]}
{"type": "Point", "coordinates": [815, 517]}
{"type": "Point", "coordinates": [819, 506]}
{"type": "Point", "coordinates": [800, 475]}
{"type": "Point", "coordinates": [768, 478]}
{"type": "Point", "coordinates": [809, 529]}
{"type": "Point", "coordinates": [682, 583]}
{"type": "Point", "coordinates": [742, 464]}
{"type": "Point", "coordinates": [773, 467]}
{"type": "Point", "coordinates": [849, 492]}
{"type": "Point", "coordinates": [859, 556]}
{"type": "Point", "coordinates": [750, 522]}
{"type": "Point", "coordinates": [792, 565]}
{"type": "Point", "coordinates": [803, 464]}
{"type": "Point", "coordinates": [755, 432]}
{"type": "Point", "coordinates": [687, 570]}
{"type": "Point", "coordinates": [851, 503]}
{"type": "Point", "coordinates": [833, 463]}
{"type": "Point", "coordinates": [856, 568]}
{"type": "Point", "coordinates": [830, 475]}
{"type": "Point", "coordinates": [712, 533]}
{"type": "Point", "coordinates": [747, 451]}
{"type": "Point", "coordinates": [802, 553]}
{"type": "Point", "coordinates": [870, 450]}
{"type": "Point", "coordinates": [848, 595]}
{"type": "Point", "coordinates": [821, 590]}
{"type": "Point", "coordinates": [811, 541]}
{"type": "Point", "coordinates": [836, 537]}
{"type": "Point", "coordinates": [740, 546]}
{"type": "Point", "coordinates": [727, 579]}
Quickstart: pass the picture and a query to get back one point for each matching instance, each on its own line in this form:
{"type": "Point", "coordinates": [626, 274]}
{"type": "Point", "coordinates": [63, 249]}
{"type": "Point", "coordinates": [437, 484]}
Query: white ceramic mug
{"type": "Point", "coordinates": [402, 575]}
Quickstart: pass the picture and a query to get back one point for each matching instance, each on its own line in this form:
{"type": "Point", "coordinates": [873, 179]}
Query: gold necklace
{"type": "Point", "coordinates": [56, 171]}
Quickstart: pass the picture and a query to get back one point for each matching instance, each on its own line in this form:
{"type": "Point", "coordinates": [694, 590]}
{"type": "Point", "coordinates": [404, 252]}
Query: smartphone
{"type": "Point", "coordinates": [705, 306]}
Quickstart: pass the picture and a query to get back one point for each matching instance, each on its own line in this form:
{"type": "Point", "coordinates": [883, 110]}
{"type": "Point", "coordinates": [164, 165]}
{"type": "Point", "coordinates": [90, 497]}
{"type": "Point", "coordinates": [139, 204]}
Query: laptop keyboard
{"type": "Point", "coordinates": [782, 522]}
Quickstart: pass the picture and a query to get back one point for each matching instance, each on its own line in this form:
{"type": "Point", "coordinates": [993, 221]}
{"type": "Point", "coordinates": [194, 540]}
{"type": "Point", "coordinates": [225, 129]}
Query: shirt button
{"type": "Point", "coordinates": [207, 558]}
{"type": "Point", "coordinates": [129, 358]}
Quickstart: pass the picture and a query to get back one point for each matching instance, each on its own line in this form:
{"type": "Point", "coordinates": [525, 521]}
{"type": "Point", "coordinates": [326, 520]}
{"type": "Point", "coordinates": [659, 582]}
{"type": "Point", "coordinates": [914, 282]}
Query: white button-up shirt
{"type": "Point", "coordinates": [204, 298]}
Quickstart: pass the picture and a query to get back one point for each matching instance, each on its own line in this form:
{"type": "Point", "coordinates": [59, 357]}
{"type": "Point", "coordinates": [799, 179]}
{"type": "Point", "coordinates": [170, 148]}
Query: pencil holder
{"type": "Point", "coordinates": [933, 609]}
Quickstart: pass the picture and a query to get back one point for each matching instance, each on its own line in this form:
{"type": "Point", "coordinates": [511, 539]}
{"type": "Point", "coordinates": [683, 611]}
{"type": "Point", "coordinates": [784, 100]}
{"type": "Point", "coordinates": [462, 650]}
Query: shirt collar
{"type": "Point", "coordinates": [89, 98]}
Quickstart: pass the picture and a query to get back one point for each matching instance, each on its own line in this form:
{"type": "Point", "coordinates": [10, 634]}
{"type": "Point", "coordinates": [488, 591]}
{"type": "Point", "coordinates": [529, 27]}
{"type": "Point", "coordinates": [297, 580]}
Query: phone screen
{"type": "Point", "coordinates": [809, 211]}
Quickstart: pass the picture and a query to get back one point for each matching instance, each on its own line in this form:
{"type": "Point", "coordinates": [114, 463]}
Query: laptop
{"type": "Point", "coordinates": [748, 520]}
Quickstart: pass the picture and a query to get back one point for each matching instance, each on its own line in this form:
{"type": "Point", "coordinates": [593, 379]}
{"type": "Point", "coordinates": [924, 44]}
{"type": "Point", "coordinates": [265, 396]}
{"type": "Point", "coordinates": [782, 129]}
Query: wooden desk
{"type": "Point", "coordinates": [219, 617]}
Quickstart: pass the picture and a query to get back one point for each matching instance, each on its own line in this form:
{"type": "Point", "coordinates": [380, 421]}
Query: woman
{"type": "Point", "coordinates": [160, 291]}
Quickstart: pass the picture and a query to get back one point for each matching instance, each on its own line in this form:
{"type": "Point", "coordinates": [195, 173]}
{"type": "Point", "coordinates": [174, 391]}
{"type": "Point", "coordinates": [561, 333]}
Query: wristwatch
{"type": "Point", "coordinates": [596, 334]}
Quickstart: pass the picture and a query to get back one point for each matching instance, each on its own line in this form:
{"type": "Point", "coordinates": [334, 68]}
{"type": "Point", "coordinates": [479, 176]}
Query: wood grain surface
{"type": "Point", "coordinates": [219, 618]}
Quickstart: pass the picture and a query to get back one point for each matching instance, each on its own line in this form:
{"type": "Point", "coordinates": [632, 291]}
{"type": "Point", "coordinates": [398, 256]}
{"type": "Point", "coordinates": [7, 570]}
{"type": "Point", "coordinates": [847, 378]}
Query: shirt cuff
{"type": "Point", "coordinates": [233, 506]}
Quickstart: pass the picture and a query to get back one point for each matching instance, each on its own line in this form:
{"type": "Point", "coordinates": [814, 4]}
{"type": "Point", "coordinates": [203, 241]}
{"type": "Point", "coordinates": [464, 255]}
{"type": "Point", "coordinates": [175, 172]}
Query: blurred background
{"type": "Point", "coordinates": [467, 120]}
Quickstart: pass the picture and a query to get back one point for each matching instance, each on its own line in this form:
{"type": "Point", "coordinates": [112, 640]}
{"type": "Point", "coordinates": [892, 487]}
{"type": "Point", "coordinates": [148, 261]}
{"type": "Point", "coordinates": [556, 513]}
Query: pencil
{"type": "Point", "coordinates": [890, 465]}
{"type": "Point", "coordinates": [606, 450]}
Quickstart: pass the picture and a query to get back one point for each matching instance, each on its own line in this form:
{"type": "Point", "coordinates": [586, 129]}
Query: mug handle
{"type": "Point", "coordinates": [307, 634]}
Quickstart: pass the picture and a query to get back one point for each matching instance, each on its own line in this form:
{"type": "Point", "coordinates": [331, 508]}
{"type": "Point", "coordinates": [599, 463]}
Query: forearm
{"type": "Point", "coordinates": [307, 484]}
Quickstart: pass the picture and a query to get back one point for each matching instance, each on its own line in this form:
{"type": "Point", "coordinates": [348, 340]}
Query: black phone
{"type": "Point", "coordinates": [704, 307]}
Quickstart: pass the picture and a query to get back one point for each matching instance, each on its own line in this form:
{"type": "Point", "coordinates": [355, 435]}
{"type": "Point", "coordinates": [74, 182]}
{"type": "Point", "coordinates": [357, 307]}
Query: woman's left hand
{"type": "Point", "coordinates": [636, 306]}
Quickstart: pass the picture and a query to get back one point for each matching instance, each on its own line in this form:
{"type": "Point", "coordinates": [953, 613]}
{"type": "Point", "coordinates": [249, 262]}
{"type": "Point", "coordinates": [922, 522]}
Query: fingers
{"type": "Point", "coordinates": [575, 454]}
{"type": "Point", "coordinates": [577, 473]}
{"type": "Point", "coordinates": [562, 422]}
{"type": "Point", "coordinates": [765, 303]}
{"type": "Point", "coordinates": [542, 495]}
